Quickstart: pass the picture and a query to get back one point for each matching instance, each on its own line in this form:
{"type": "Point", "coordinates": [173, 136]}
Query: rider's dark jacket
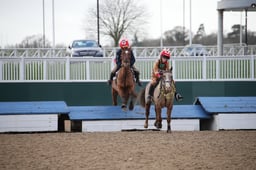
{"type": "Point", "coordinates": [118, 58]}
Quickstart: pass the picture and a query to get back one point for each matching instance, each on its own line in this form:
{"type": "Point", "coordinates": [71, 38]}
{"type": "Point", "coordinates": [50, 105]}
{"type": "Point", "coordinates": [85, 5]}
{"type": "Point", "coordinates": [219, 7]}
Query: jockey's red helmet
{"type": "Point", "coordinates": [165, 53]}
{"type": "Point", "coordinates": [124, 43]}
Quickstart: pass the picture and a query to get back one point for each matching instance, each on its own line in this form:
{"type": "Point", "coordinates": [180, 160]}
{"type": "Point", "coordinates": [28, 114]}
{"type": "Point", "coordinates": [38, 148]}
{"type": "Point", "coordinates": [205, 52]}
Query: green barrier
{"type": "Point", "coordinates": [99, 93]}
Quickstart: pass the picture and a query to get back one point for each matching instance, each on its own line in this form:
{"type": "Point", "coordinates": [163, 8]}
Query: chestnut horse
{"type": "Point", "coordinates": [163, 97]}
{"type": "Point", "coordinates": [124, 84]}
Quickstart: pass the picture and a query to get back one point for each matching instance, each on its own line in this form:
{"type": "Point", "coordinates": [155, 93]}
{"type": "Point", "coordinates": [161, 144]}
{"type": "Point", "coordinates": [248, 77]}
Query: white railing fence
{"type": "Point", "coordinates": [228, 50]}
{"type": "Point", "coordinates": [200, 68]}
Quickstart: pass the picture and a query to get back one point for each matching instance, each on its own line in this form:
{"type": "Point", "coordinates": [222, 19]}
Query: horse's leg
{"type": "Point", "coordinates": [147, 108]}
{"type": "Point", "coordinates": [160, 118]}
{"type": "Point", "coordinates": [169, 110]}
{"type": "Point", "coordinates": [124, 102]}
{"type": "Point", "coordinates": [133, 97]}
{"type": "Point", "coordinates": [131, 105]}
{"type": "Point", "coordinates": [114, 96]}
{"type": "Point", "coordinates": [158, 122]}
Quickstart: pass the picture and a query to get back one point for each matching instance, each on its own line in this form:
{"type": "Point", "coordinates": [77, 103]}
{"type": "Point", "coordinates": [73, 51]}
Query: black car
{"type": "Point", "coordinates": [83, 48]}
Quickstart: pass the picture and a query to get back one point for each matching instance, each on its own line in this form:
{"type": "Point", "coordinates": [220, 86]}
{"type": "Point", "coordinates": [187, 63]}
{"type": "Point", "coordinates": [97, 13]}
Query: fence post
{"type": "Point", "coordinates": [87, 69]}
{"type": "Point", "coordinates": [252, 67]}
{"type": "Point", "coordinates": [204, 68]}
{"type": "Point", "coordinates": [174, 69]}
{"type": "Point", "coordinates": [44, 69]}
{"type": "Point", "coordinates": [1, 70]}
{"type": "Point", "coordinates": [67, 68]}
{"type": "Point", "coordinates": [22, 67]}
{"type": "Point", "coordinates": [217, 69]}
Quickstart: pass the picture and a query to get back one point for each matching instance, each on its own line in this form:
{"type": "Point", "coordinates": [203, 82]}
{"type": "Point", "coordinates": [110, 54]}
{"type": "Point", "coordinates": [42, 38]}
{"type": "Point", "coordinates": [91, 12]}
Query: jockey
{"type": "Point", "coordinates": [124, 44]}
{"type": "Point", "coordinates": [159, 66]}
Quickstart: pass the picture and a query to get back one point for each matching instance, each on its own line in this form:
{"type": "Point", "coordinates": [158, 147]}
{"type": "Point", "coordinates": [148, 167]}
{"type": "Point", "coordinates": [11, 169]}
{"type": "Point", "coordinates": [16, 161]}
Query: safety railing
{"type": "Point", "coordinates": [228, 50]}
{"type": "Point", "coordinates": [200, 68]}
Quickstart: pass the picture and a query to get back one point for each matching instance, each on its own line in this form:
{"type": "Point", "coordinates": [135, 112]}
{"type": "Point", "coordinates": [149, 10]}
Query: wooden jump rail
{"type": "Point", "coordinates": [207, 113]}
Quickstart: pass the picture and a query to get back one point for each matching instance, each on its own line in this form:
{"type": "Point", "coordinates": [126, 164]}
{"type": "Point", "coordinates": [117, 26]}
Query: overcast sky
{"type": "Point", "coordinates": [21, 18]}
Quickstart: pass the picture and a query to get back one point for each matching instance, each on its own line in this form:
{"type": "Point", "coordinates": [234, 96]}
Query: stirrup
{"type": "Point", "coordinates": [110, 82]}
{"type": "Point", "coordinates": [149, 98]}
{"type": "Point", "coordinates": [178, 97]}
{"type": "Point", "coordinates": [139, 83]}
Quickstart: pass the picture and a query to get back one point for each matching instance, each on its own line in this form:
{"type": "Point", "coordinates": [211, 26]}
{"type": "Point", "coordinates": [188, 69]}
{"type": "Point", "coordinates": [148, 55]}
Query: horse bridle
{"type": "Point", "coordinates": [162, 87]}
{"type": "Point", "coordinates": [125, 57]}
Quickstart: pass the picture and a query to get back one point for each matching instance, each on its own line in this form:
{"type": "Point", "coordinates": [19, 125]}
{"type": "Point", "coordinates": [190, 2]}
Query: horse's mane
{"type": "Point", "coordinates": [126, 55]}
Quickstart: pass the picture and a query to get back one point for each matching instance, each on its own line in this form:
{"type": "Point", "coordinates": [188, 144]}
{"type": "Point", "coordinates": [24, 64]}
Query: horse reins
{"type": "Point", "coordinates": [163, 91]}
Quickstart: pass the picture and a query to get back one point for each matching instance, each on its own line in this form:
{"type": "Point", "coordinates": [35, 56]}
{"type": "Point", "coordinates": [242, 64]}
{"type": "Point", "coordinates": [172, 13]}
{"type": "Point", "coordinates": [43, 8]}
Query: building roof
{"type": "Point", "coordinates": [236, 5]}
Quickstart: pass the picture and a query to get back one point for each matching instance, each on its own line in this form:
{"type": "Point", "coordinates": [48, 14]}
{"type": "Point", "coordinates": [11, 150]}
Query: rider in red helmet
{"type": "Point", "coordinates": [124, 44]}
{"type": "Point", "coordinates": [159, 66]}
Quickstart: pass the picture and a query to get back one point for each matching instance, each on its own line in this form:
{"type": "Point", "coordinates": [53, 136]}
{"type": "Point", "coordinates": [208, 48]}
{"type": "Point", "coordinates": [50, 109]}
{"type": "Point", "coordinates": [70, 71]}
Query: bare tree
{"type": "Point", "coordinates": [117, 18]}
{"type": "Point", "coordinates": [200, 33]}
{"type": "Point", "coordinates": [33, 41]}
{"type": "Point", "coordinates": [176, 36]}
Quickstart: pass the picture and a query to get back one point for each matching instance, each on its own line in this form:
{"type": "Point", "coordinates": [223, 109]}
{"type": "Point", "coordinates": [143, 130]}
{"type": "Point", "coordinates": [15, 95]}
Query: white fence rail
{"type": "Point", "coordinates": [228, 50]}
{"type": "Point", "coordinates": [201, 68]}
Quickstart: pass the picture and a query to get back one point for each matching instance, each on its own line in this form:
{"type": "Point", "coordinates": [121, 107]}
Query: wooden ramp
{"type": "Point", "coordinates": [31, 116]}
{"type": "Point", "coordinates": [112, 118]}
{"type": "Point", "coordinates": [207, 113]}
{"type": "Point", "coordinates": [229, 113]}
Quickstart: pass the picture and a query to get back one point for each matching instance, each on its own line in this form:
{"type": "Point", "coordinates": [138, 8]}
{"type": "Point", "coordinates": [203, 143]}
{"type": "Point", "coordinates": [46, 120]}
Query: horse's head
{"type": "Point", "coordinates": [167, 80]}
{"type": "Point", "coordinates": [126, 56]}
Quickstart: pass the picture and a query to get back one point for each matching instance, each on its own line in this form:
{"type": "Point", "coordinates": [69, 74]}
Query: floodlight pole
{"type": "Point", "coordinates": [43, 26]}
{"type": "Point", "coordinates": [245, 27]}
{"type": "Point", "coordinates": [241, 29]}
{"type": "Point", "coordinates": [53, 26]}
{"type": "Point", "coordinates": [184, 22]}
{"type": "Point", "coordinates": [190, 37]}
{"type": "Point", "coordinates": [161, 26]}
{"type": "Point", "coordinates": [98, 22]}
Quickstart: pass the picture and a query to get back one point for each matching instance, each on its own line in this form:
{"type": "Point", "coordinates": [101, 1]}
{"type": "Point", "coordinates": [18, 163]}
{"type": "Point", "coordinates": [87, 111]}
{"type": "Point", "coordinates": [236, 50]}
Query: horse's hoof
{"type": "Point", "coordinates": [158, 125]}
{"type": "Point", "coordinates": [168, 129]}
{"type": "Point", "coordinates": [124, 108]}
{"type": "Point", "coordinates": [146, 126]}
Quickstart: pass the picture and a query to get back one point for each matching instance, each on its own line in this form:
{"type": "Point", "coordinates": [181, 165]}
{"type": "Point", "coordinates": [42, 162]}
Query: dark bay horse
{"type": "Point", "coordinates": [124, 85]}
{"type": "Point", "coordinates": [163, 97]}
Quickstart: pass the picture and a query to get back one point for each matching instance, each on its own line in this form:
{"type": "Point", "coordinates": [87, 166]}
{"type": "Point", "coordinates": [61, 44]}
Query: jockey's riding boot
{"type": "Point", "coordinates": [150, 93]}
{"type": "Point", "coordinates": [178, 97]}
{"type": "Point", "coordinates": [139, 83]}
{"type": "Point", "coordinates": [137, 77]}
{"type": "Point", "coordinates": [138, 80]}
{"type": "Point", "coordinates": [112, 75]}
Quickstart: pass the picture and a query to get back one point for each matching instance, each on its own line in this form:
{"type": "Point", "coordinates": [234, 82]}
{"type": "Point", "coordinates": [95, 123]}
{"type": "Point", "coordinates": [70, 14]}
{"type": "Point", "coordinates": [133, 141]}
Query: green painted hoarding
{"type": "Point", "coordinates": [99, 93]}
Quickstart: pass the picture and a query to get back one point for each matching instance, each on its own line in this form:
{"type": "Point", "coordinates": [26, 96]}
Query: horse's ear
{"type": "Point", "coordinates": [170, 69]}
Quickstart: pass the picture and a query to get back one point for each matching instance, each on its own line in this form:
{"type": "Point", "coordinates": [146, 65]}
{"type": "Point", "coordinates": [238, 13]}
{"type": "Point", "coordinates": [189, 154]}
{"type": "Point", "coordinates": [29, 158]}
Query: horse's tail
{"type": "Point", "coordinates": [141, 97]}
